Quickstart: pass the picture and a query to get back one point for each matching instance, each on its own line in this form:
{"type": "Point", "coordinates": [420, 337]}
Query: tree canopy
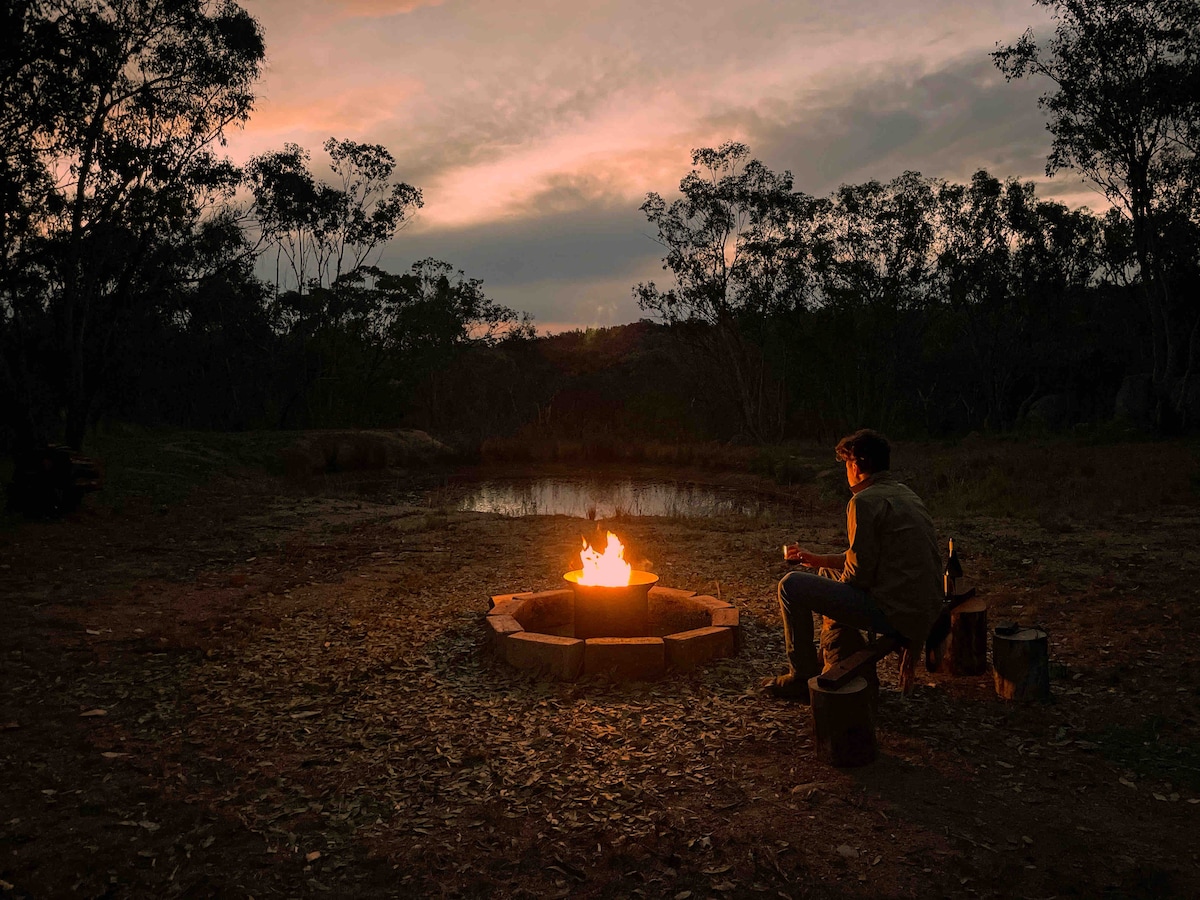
{"type": "Point", "coordinates": [111, 114]}
{"type": "Point", "coordinates": [1124, 110]}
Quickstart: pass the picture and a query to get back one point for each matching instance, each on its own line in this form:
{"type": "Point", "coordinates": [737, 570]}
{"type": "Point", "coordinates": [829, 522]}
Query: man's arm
{"type": "Point", "coordinates": [863, 556]}
{"type": "Point", "coordinates": [807, 558]}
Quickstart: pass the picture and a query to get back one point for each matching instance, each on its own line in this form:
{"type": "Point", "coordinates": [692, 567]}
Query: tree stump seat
{"type": "Point", "coordinates": [1021, 662]}
{"type": "Point", "coordinates": [864, 661]}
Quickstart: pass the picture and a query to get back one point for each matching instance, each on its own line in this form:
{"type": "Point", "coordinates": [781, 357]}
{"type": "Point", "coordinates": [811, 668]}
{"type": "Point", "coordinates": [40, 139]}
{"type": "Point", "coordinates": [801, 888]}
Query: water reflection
{"type": "Point", "coordinates": [609, 499]}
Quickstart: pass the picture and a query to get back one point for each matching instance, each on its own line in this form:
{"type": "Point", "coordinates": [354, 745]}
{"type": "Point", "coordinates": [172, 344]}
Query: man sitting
{"type": "Point", "coordinates": [888, 580]}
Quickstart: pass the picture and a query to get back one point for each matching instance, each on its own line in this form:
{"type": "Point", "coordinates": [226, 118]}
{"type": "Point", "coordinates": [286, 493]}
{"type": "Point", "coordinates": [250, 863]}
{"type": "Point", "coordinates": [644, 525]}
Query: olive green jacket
{"type": "Point", "coordinates": [894, 555]}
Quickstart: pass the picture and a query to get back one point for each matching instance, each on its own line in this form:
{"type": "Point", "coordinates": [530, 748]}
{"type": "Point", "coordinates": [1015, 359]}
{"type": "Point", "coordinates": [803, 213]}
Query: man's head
{"type": "Point", "coordinates": [866, 452]}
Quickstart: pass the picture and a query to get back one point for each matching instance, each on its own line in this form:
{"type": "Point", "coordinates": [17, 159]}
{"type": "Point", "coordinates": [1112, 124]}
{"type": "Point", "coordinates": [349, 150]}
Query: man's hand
{"type": "Point", "coordinates": [794, 553]}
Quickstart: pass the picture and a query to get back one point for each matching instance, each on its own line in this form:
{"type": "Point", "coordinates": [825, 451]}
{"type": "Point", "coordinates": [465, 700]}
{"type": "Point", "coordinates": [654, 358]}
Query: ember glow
{"type": "Point", "coordinates": [607, 569]}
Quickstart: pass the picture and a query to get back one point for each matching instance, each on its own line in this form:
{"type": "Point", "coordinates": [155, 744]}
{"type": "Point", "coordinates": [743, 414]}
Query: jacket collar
{"type": "Point", "coordinates": [877, 478]}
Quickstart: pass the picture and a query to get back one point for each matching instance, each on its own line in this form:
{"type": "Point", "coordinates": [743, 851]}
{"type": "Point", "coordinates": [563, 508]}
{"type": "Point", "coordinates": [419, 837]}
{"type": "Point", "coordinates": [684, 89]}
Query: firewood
{"type": "Point", "coordinates": [857, 663]}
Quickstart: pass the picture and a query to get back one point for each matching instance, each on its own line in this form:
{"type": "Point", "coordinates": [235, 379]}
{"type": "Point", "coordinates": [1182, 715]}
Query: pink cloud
{"type": "Point", "coordinates": [286, 112]}
{"type": "Point", "coordinates": [378, 9]}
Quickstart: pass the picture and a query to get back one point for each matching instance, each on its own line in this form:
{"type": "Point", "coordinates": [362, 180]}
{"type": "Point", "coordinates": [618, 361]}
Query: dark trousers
{"type": "Point", "coordinates": [846, 611]}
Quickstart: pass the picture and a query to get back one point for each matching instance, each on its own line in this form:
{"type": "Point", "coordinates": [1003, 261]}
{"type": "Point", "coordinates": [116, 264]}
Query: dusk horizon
{"type": "Point", "coordinates": [535, 137]}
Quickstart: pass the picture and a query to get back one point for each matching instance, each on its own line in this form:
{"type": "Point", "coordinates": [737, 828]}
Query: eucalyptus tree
{"type": "Point", "coordinates": [1124, 110]}
{"type": "Point", "coordinates": [322, 235]}
{"type": "Point", "coordinates": [321, 231]}
{"type": "Point", "coordinates": [873, 266]}
{"type": "Point", "coordinates": [878, 240]}
{"type": "Point", "coordinates": [111, 114]}
{"type": "Point", "coordinates": [400, 341]}
{"type": "Point", "coordinates": [1011, 272]}
{"type": "Point", "coordinates": [736, 242]}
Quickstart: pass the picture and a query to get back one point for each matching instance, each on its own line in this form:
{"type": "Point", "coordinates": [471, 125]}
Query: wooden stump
{"type": "Point", "coordinates": [1021, 663]}
{"type": "Point", "coordinates": [968, 639]}
{"type": "Point", "coordinates": [844, 722]}
{"type": "Point", "coordinates": [935, 654]}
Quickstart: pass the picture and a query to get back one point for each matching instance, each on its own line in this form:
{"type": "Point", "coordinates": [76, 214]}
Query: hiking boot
{"type": "Point", "coordinates": [786, 687]}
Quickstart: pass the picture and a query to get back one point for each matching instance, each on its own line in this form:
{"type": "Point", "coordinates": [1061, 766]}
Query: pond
{"type": "Point", "coordinates": [613, 498]}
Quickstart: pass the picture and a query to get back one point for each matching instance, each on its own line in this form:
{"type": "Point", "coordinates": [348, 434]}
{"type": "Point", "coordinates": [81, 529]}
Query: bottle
{"type": "Point", "coordinates": [953, 571]}
{"type": "Point", "coordinates": [935, 642]}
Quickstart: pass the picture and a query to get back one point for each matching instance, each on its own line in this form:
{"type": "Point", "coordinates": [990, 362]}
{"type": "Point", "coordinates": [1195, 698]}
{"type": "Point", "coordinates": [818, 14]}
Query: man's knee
{"type": "Point", "coordinates": [791, 591]}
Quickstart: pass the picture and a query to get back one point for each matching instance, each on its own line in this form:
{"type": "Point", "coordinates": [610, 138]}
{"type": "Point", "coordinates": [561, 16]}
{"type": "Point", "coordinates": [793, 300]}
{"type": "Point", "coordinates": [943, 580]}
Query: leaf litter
{"type": "Point", "coordinates": [356, 707]}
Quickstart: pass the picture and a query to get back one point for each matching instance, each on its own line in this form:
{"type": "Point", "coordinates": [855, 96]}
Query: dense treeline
{"type": "Point", "coordinates": [129, 280]}
{"type": "Point", "coordinates": [919, 305]}
{"type": "Point", "coordinates": [145, 277]}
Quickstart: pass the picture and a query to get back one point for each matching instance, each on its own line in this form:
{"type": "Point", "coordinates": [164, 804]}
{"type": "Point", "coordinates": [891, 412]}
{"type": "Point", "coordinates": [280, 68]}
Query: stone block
{"type": "Point", "coordinates": [710, 603]}
{"type": "Point", "coordinates": [730, 618]}
{"type": "Point", "coordinates": [500, 598]}
{"type": "Point", "coordinates": [546, 611]}
{"type": "Point", "coordinates": [726, 616]}
{"type": "Point", "coordinates": [508, 607]}
{"type": "Point", "coordinates": [625, 659]}
{"type": "Point", "coordinates": [666, 593]}
{"type": "Point", "coordinates": [499, 628]}
{"type": "Point", "coordinates": [689, 649]}
{"type": "Point", "coordinates": [546, 654]}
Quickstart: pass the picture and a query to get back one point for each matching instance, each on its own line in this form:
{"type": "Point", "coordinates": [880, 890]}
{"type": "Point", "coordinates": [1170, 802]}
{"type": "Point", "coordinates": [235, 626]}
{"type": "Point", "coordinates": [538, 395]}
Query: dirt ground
{"type": "Point", "coordinates": [272, 690]}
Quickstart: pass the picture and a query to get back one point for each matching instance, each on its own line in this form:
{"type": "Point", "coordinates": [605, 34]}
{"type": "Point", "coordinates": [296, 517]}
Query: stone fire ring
{"type": "Point", "coordinates": [535, 631]}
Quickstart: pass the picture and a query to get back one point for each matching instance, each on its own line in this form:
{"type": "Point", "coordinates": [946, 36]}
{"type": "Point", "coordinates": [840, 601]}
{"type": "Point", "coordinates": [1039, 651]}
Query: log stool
{"type": "Point", "coordinates": [938, 642]}
{"type": "Point", "coordinates": [1021, 662]}
{"type": "Point", "coordinates": [843, 703]}
{"type": "Point", "coordinates": [968, 639]}
{"type": "Point", "coordinates": [843, 722]}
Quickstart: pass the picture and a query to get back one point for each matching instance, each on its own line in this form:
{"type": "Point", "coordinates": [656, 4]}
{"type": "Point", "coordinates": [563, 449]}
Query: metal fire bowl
{"type": "Point", "coordinates": [602, 611]}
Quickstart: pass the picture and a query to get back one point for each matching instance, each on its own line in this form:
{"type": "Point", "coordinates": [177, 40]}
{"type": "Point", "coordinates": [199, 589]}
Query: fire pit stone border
{"type": "Point", "coordinates": [533, 631]}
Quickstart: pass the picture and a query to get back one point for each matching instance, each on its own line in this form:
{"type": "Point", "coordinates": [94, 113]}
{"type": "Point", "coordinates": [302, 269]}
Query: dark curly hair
{"type": "Point", "coordinates": [868, 448]}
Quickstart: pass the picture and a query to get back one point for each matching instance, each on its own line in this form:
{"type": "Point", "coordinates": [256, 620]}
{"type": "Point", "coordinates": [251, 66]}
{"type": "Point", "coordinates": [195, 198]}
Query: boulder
{"type": "Point", "coordinates": [1053, 411]}
{"type": "Point", "coordinates": [1135, 402]}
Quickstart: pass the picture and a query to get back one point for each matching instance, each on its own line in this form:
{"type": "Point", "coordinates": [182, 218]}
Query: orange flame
{"type": "Point", "coordinates": [609, 568]}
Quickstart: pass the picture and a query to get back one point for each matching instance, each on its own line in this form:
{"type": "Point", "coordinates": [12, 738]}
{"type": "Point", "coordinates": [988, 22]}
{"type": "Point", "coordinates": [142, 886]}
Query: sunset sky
{"type": "Point", "coordinates": [535, 128]}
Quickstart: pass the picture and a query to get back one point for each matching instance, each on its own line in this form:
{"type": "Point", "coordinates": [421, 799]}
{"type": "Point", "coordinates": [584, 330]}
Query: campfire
{"type": "Point", "coordinates": [609, 568]}
{"type": "Point", "coordinates": [614, 621]}
{"type": "Point", "coordinates": [611, 598]}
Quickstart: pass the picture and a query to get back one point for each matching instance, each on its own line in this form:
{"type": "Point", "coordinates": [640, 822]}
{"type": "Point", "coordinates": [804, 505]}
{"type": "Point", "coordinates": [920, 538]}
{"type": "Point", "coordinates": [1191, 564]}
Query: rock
{"type": "Point", "coordinates": [1053, 411]}
{"type": "Point", "coordinates": [1135, 402]}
